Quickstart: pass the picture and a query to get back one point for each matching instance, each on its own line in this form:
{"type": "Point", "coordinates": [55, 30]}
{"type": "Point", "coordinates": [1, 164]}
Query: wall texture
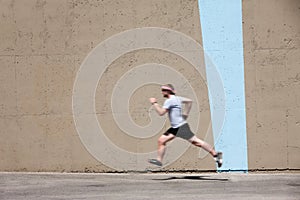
{"type": "Point", "coordinates": [272, 58]}
{"type": "Point", "coordinates": [43, 44]}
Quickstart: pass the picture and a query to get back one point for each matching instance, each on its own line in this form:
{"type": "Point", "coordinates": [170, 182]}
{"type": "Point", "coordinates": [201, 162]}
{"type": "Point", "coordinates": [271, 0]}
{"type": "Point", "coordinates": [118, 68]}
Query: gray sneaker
{"type": "Point", "coordinates": [218, 159]}
{"type": "Point", "coordinates": [155, 162]}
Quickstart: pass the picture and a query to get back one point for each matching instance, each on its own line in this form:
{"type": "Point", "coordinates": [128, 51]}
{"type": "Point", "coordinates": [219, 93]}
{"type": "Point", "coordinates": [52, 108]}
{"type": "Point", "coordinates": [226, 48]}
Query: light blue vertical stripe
{"type": "Point", "coordinates": [221, 24]}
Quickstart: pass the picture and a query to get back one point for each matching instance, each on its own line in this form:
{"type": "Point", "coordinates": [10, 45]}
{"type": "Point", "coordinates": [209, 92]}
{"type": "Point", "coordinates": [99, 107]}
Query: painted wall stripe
{"type": "Point", "coordinates": [221, 23]}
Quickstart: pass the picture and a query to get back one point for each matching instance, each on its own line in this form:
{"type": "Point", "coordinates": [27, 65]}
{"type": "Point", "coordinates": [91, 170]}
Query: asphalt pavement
{"type": "Point", "coordinates": [40, 186]}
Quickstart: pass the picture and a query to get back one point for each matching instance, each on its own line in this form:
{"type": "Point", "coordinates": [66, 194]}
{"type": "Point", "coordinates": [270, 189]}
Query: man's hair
{"type": "Point", "coordinates": [169, 87]}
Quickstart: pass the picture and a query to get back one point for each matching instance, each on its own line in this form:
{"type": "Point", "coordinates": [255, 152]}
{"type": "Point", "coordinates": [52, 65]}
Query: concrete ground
{"type": "Point", "coordinates": [149, 186]}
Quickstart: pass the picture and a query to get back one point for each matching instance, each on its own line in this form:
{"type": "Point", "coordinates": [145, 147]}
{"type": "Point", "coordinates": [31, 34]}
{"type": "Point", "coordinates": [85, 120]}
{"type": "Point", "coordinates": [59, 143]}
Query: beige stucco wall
{"type": "Point", "coordinates": [43, 44]}
{"type": "Point", "coordinates": [272, 69]}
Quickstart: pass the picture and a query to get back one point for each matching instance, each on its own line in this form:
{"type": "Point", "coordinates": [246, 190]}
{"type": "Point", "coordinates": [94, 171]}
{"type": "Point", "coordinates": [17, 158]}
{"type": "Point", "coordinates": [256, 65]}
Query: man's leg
{"type": "Point", "coordinates": [162, 141]}
{"type": "Point", "coordinates": [200, 143]}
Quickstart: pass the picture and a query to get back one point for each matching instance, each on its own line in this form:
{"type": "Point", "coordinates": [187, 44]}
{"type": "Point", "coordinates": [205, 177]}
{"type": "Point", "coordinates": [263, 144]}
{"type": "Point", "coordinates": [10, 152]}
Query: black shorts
{"type": "Point", "coordinates": [183, 132]}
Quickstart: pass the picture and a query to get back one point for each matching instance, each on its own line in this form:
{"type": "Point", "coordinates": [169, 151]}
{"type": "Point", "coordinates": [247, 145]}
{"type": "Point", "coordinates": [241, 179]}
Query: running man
{"type": "Point", "coordinates": [179, 126]}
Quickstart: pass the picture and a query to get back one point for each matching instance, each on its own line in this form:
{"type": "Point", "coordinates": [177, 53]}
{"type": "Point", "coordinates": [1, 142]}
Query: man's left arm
{"type": "Point", "coordinates": [188, 105]}
{"type": "Point", "coordinates": [160, 110]}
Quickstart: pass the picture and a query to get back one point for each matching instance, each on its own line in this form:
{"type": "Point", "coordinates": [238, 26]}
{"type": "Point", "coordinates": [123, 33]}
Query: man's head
{"type": "Point", "coordinates": [167, 90]}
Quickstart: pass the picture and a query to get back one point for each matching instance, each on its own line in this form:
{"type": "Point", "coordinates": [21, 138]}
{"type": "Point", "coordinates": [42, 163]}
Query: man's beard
{"type": "Point", "coordinates": [166, 95]}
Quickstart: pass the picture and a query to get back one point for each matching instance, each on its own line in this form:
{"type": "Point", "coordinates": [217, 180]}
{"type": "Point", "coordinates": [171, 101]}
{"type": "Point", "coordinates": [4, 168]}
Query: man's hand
{"type": "Point", "coordinates": [161, 111]}
{"type": "Point", "coordinates": [185, 116]}
{"type": "Point", "coordinates": [153, 100]}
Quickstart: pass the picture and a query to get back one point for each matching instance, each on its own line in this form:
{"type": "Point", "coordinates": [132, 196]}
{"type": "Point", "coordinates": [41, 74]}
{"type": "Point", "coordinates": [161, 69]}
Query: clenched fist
{"type": "Point", "coordinates": [152, 100]}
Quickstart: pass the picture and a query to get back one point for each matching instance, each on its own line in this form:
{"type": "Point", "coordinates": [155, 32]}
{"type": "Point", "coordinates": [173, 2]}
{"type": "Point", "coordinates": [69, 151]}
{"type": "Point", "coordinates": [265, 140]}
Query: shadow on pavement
{"type": "Point", "coordinates": [199, 178]}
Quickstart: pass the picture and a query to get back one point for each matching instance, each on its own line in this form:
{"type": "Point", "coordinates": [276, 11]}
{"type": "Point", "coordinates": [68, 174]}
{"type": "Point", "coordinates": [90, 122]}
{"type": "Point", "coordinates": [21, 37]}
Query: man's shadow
{"type": "Point", "coordinates": [197, 178]}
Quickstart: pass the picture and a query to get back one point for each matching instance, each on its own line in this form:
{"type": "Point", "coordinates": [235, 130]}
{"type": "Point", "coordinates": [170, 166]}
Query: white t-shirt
{"type": "Point", "coordinates": [174, 107]}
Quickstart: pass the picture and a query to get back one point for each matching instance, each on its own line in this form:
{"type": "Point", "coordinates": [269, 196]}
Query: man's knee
{"type": "Point", "coordinates": [161, 141]}
{"type": "Point", "coordinates": [164, 139]}
{"type": "Point", "coordinates": [197, 142]}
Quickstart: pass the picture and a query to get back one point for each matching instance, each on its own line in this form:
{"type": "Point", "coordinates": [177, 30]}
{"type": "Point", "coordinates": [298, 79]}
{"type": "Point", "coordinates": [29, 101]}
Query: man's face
{"type": "Point", "coordinates": [165, 93]}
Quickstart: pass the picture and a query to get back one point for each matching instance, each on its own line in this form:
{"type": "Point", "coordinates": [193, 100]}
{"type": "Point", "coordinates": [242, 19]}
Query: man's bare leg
{"type": "Point", "coordinates": [162, 141]}
{"type": "Point", "coordinates": [207, 147]}
{"type": "Point", "coordinates": [204, 145]}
